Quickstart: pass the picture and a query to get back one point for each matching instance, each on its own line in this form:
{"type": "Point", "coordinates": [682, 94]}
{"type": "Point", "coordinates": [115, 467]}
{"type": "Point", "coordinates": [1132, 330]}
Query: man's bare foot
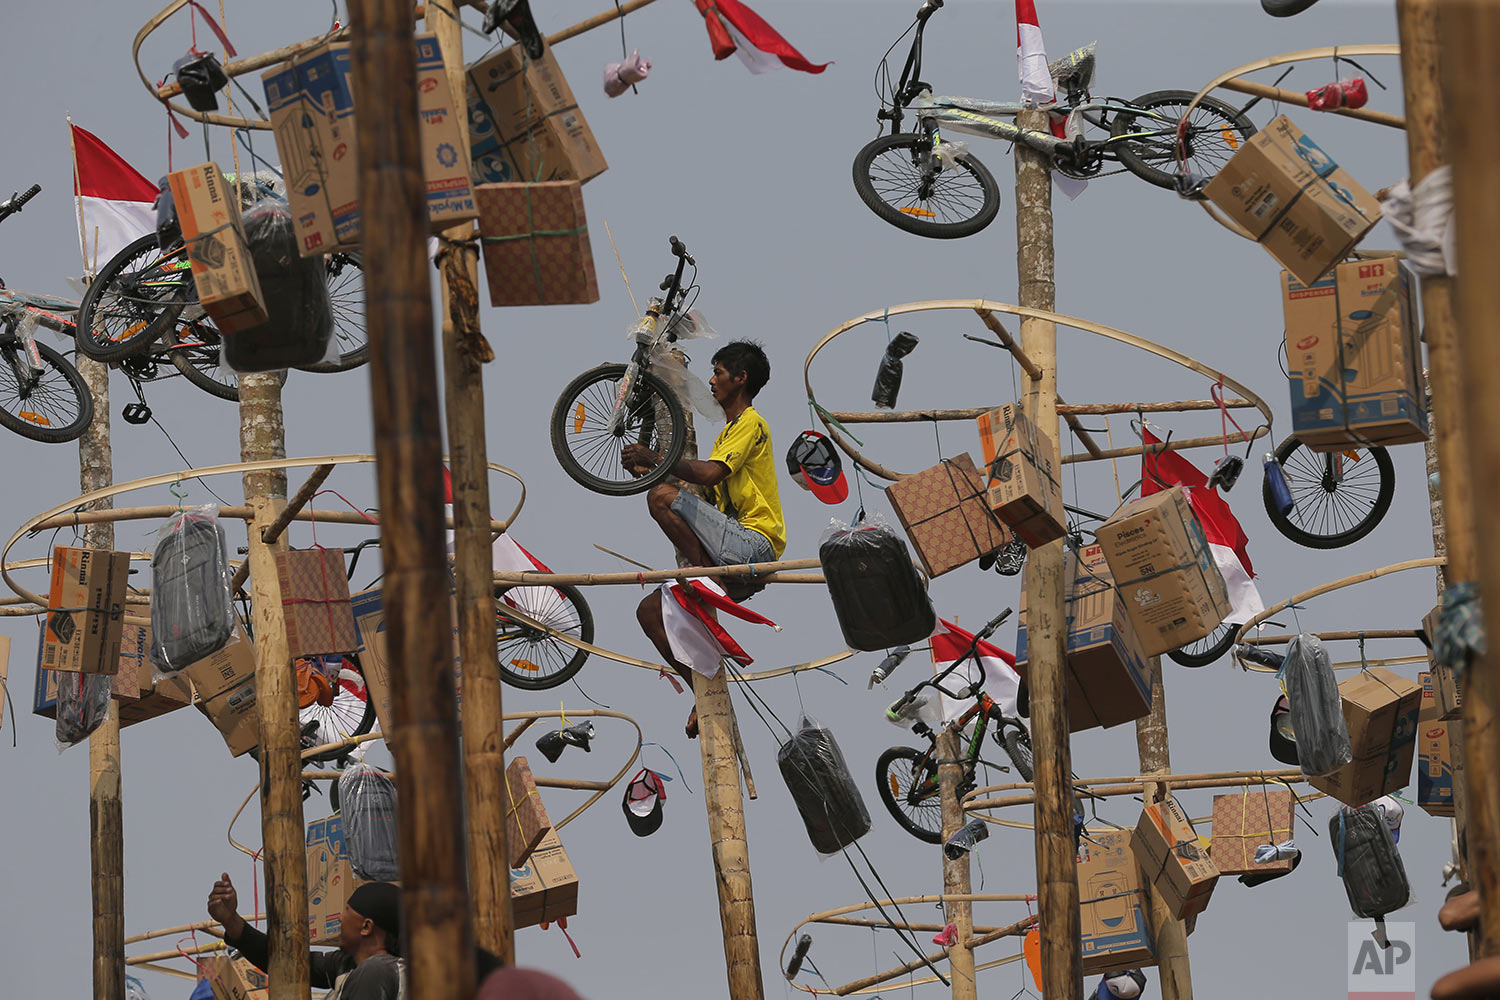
{"type": "Point", "coordinates": [692, 725]}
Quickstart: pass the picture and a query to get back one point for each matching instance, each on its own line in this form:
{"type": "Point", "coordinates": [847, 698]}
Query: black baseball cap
{"type": "Point", "coordinates": [643, 802]}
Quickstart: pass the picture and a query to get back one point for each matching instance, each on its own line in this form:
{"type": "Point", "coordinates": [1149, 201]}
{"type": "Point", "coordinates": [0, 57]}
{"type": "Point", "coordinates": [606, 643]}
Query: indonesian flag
{"type": "Point", "coordinates": [1226, 539]}
{"type": "Point", "coordinates": [1036, 81]}
{"type": "Point", "coordinates": [735, 28]}
{"type": "Point", "coordinates": [116, 200]}
{"type": "Point", "coordinates": [693, 630]}
{"type": "Point", "coordinates": [991, 666]}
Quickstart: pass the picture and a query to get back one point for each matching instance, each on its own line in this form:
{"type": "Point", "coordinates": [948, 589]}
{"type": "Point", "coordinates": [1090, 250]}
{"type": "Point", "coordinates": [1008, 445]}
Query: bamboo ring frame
{"type": "Point", "coordinates": [206, 117]}
{"type": "Point", "coordinates": [1328, 588]}
{"type": "Point", "coordinates": [983, 306]}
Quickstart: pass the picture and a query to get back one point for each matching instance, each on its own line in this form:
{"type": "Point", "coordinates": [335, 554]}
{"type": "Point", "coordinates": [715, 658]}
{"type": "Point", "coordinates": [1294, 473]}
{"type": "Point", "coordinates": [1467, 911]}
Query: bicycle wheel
{"type": "Point", "coordinates": [1214, 132]}
{"type": "Point", "coordinates": [529, 657]}
{"type": "Point", "coordinates": [197, 356]}
{"type": "Point", "coordinates": [351, 714]}
{"type": "Point", "coordinates": [1329, 509]}
{"type": "Point", "coordinates": [57, 407]}
{"type": "Point", "coordinates": [888, 176]}
{"type": "Point", "coordinates": [1285, 8]}
{"type": "Point", "coordinates": [1207, 649]}
{"type": "Point", "coordinates": [346, 292]}
{"type": "Point", "coordinates": [589, 451]}
{"type": "Point", "coordinates": [1017, 743]}
{"type": "Point", "coordinates": [898, 771]}
{"type": "Point", "coordinates": [134, 299]}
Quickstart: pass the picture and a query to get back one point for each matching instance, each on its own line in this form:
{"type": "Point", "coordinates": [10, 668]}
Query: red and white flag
{"type": "Point", "coordinates": [693, 630]}
{"type": "Point", "coordinates": [735, 28]}
{"type": "Point", "coordinates": [1226, 539]}
{"type": "Point", "coordinates": [1036, 81]}
{"type": "Point", "coordinates": [116, 200]}
{"type": "Point", "coordinates": [990, 665]}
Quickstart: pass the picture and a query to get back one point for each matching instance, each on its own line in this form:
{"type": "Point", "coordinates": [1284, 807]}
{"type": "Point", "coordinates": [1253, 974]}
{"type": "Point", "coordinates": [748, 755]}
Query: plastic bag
{"type": "Point", "coordinates": [298, 330]}
{"type": "Point", "coordinates": [82, 706]}
{"type": "Point", "coordinates": [134, 989]}
{"type": "Point", "coordinates": [670, 365]}
{"type": "Point", "coordinates": [878, 596]}
{"type": "Point", "coordinates": [1369, 863]}
{"type": "Point", "coordinates": [191, 612]}
{"type": "Point", "coordinates": [888, 375]}
{"type": "Point", "coordinates": [813, 767]}
{"type": "Point", "coordinates": [367, 799]}
{"type": "Point", "coordinates": [1317, 711]}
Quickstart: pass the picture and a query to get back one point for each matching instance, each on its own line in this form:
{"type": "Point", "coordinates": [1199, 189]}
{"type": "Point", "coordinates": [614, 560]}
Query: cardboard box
{"type": "Point", "coordinates": [234, 978]}
{"type": "Point", "coordinates": [524, 123]}
{"type": "Point", "coordinates": [225, 682]}
{"type": "Point", "coordinates": [1294, 200]}
{"type": "Point", "coordinates": [374, 662]}
{"type": "Point", "coordinates": [527, 821]}
{"type": "Point", "coordinates": [1023, 488]}
{"type": "Point", "coordinates": [1450, 697]}
{"type": "Point", "coordinates": [315, 601]}
{"type": "Point", "coordinates": [1112, 906]}
{"type": "Point", "coordinates": [945, 515]}
{"type": "Point", "coordinates": [1168, 580]}
{"type": "Point", "coordinates": [1380, 709]}
{"type": "Point", "coordinates": [1167, 848]}
{"type": "Point", "coordinates": [546, 886]}
{"type": "Point", "coordinates": [1354, 360]}
{"type": "Point", "coordinates": [1245, 820]}
{"type": "Point", "coordinates": [1109, 678]}
{"type": "Point", "coordinates": [536, 244]}
{"type": "Point", "coordinates": [86, 608]}
{"type": "Point", "coordinates": [1438, 767]}
{"type": "Point", "coordinates": [330, 879]}
{"type": "Point", "coordinates": [311, 105]}
{"type": "Point", "coordinates": [132, 686]}
{"type": "Point", "coordinates": [208, 209]}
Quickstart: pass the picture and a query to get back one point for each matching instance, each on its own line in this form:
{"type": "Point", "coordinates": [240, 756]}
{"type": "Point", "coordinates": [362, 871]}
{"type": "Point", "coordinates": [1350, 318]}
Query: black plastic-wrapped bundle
{"type": "Point", "coordinates": [82, 704]}
{"type": "Point", "coordinates": [888, 375]}
{"type": "Point", "coordinates": [877, 593]}
{"type": "Point", "coordinates": [191, 612]}
{"type": "Point", "coordinates": [1374, 877]}
{"type": "Point", "coordinates": [299, 312]}
{"type": "Point", "coordinates": [812, 765]}
{"type": "Point", "coordinates": [367, 799]}
{"type": "Point", "coordinates": [1317, 710]}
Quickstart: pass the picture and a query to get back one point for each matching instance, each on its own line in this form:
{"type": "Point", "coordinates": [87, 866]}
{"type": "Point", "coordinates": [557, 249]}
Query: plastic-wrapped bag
{"type": "Point", "coordinates": [135, 989]}
{"type": "Point", "coordinates": [812, 765]}
{"type": "Point", "coordinates": [1368, 862]}
{"type": "Point", "coordinates": [1317, 710]}
{"type": "Point", "coordinates": [191, 612]}
{"type": "Point", "coordinates": [82, 706]}
{"type": "Point", "coordinates": [877, 593]}
{"type": "Point", "coordinates": [367, 799]}
{"type": "Point", "coordinates": [299, 327]}
{"type": "Point", "coordinates": [888, 375]}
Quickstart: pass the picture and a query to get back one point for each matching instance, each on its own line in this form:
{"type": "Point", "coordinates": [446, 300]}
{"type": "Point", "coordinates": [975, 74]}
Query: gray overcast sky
{"type": "Point", "coordinates": [753, 173]}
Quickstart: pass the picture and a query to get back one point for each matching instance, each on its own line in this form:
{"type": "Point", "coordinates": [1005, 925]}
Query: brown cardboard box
{"type": "Point", "coordinates": [329, 879]}
{"type": "Point", "coordinates": [1109, 678]}
{"type": "Point", "coordinates": [234, 978]}
{"type": "Point", "coordinates": [1023, 488]}
{"type": "Point", "coordinates": [546, 886]}
{"type": "Point", "coordinates": [141, 699]}
{"type": "Point", "coordinates": [315, 600]}
{"type": "Point", "coordinates": [1172, 589]}
{"type": "Point", "coordinates": [524, 123]}
{"type": "Point", "coordinates": [528, 822]}
{"type": "Point", "coordinates": [208, 208]}
{"type": "Point", "coordinates": [1380, 710]}
{"type": "Point", "coordinates": [374, 663]}
{"type": "Point", "coordinates": [1245, 820]}
{"type": "Point", "coordinates": [1112, 906]}
{"type": "Point", "coordinates": [225, 682]}
{"type": "Point", "coordinates": [1439, 769]}
{"type": "Point", "coordinates": [536, 244]}
{"type": "Point", "coordinates": [1450, 698]}
{"type": "Point", "coordinates": [311, 106]}
{"type": "Point", "coordinates": [1167, 848]}
{"type": "Point", "coordinates": [1294, 200]}
{"type": "Point", "coordinates": [1354, 360]}
{"type": "Point", "coordinates": [86, 610]}
{"type": "Point", "coordinates": [945, 515]}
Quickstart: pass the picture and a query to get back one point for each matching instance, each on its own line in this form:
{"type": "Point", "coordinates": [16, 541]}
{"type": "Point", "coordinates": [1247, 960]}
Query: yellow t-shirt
{"type": "Point", "coordinates": [749, 493]}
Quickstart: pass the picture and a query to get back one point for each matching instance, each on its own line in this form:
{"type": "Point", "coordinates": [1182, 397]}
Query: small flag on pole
{"type": "Point", "coordinates": [115, 200]}
{"type": "Point", "coordinates": [1036, 81]}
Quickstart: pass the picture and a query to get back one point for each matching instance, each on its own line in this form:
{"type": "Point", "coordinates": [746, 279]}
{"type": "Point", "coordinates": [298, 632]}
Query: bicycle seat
{"type": "Point", "coordinates": [50, 303]}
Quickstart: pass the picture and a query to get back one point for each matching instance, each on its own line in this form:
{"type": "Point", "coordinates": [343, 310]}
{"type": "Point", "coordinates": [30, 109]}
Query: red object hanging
{"type": "Point", "coordinates": [1339, 94]}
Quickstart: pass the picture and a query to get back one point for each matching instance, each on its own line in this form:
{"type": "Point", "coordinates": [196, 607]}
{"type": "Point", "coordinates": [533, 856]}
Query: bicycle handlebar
{"type": "Point", "coordinates": [936, 681]}
{"type": "Point", "coordinates": [679, 249]}
{"type": "Point", "coordinates": [13, 204]}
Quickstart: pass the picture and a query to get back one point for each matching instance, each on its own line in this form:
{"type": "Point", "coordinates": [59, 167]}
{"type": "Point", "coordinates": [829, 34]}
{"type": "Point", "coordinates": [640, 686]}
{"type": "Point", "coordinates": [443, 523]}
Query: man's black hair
{"type": "Point", "coordinates": [749, 357]}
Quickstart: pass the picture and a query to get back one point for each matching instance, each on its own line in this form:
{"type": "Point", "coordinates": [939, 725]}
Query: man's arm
{"type": "Point", "coordinates": [703, 473]}
{"type": "Point", "coordinates": [223, 905]}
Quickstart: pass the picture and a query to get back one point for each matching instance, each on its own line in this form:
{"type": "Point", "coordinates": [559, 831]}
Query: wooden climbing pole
{"type": "Point", "coordinates": [960, 912]}
{"type": "Point", "coordinates": [1166, 929]}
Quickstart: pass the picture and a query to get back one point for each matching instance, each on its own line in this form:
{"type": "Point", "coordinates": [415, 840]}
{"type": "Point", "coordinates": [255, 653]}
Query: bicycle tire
{"type": "Point", "coordinates": [1285, 8]}
{"type": "Point", "coordinates": [351, 704]}
{"type": "Point", "coordinates": [561, 608]}
{"type": "Point", "coordinates": [591, 442]}
{"type": "Point", "coordinates": [346, 293]}
{"type": "Point", "coordinates": [1301, 524]}
{"type": "Point", "coordinates": [1017, 743]}
{"type": "Point", "coordinates": [25, 422]}
{"type": "Point", "coordinates": [904, 215]}
{"type": "Point", "coordinates": [931, 833]}
{"type": "Point", "coordinates": [1146, 157]}
{"type": "Point", "coordinates": [144, 319]}
{"type": "Point", "coordinates": [1206, 650]}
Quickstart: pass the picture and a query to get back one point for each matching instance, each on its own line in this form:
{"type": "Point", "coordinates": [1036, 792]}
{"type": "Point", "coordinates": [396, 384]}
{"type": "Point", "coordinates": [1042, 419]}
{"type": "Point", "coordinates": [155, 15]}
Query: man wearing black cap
{"type": "Point", "coordinates": [366, 965]}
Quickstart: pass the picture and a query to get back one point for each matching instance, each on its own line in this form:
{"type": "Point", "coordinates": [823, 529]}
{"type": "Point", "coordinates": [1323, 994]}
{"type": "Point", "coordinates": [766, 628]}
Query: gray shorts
{"type": "Point", "coordinates": [726, 540]}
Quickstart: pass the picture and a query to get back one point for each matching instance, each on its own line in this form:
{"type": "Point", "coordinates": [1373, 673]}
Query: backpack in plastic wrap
{"type": "Point", "coordinates": [877, 593]}
{"type": "Point", "coordinates": [1316, 709]}
{"type": "Point", "coordinates": [82, 705]}
{"type": "Point", "coordinates": [812, 765]}
{"type": "Point", "coordinates": [191, 612]}
{"type": "Point", "coordinates": [299, 326]}
{"type": "Point", "coordinates": [1368, 862]}
{"type": "Point", "coordinates": [367, 799]}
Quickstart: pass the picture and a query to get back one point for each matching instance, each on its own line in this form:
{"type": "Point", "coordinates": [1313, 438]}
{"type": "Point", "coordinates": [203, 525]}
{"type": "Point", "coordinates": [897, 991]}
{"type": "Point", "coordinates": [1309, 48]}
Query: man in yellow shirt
{"type": "Point", "coordinates": [744, 524]}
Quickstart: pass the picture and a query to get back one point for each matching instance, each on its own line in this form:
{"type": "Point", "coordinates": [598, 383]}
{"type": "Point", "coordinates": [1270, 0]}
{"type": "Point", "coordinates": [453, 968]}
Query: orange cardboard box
{"type": "Point", "coordinates": [208, 209]}
{"type": "Point", "coordinates": [86, 608]}
{"type": "Point", "coordinates": [1167, 848]}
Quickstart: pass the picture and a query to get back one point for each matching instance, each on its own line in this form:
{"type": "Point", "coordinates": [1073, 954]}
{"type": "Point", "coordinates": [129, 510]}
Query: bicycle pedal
{"type": "Point", "coordinates": [136, 413]}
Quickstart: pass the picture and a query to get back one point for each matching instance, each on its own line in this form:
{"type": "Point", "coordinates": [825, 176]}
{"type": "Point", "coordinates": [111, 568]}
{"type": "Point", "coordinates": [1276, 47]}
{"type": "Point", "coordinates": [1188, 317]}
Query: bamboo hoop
{"type": "Point", "coordinates": [985, 307]}
{"type": "Point", "coordinates": [1328, 588]}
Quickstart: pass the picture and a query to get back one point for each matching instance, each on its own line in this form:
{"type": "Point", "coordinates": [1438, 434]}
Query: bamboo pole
{"type": "Point", "coordinates": [438, 934]}
{"type": "Point", "coordinates": [1152, 449]}
{"type": "Point", "coordinates": [1300, 99]}
{"type": "Point", "coordinates": [1468, 32]}
{"type": "Point", "coordinates": [1156, 759]}
{"type": "Point", "coordinates": [759, 570]}
{"type": "Point", "coordinates": [960, 912]}
{"type": "Point", "coordinates": [464, 353]}
{"type": "Point", "coordinates": [210, 926]}
{"type": "Point", "coordinates": [597, 20]}
{"type": "Point", "coordinates": [1063, 409]}
{"type": "Point", "coordinates": [888, 925]}
{"type": "Point", "coordinates": [1018, 927]}
{"type": "Point", "coordinates": [1056, 859]}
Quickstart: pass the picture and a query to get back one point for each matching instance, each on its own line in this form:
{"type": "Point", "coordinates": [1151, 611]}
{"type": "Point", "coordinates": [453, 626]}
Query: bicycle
{"type": "Point", "coordinates": [907, 777]}
{"type": "Point", "coordinates": [612, 405]}
{"type": "Point", "coordinates": [912, 182]}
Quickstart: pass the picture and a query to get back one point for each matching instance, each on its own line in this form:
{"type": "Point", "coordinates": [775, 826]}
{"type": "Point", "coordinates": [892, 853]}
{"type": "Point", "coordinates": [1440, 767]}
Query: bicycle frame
{"type": "Point", "coordinates": [649, 333]}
